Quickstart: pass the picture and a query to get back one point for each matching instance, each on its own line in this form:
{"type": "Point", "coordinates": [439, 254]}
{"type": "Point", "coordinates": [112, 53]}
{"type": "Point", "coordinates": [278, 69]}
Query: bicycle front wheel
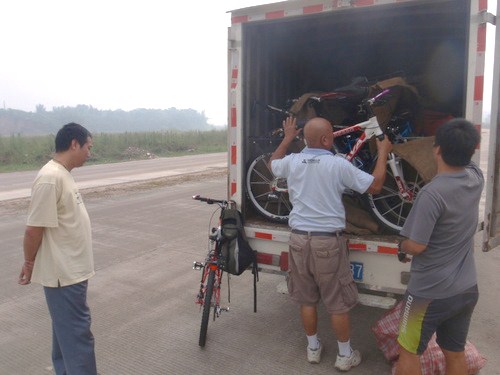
{"type": "Point", "coordinates": [268, 194]}
{"type": "Point", "coordinates": [390, 207]}
{"type": "Point", "coordinates": [207, 304]}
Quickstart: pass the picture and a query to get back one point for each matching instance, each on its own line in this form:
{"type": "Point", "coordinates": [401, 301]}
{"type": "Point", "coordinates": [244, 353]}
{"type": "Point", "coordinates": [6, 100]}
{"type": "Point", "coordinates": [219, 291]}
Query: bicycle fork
{"type": "Point", "coordinates": [404, 191]}
{"type": "Point", "coordinates": [200, 297]}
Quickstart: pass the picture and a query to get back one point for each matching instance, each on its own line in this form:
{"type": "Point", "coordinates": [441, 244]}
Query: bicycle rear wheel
{"type": "Point", "coordinates": [207, 304]}
{"type": "Point", "coordinates": [267, 193]}
{"type": "Point", "coordinates": [389, 207]}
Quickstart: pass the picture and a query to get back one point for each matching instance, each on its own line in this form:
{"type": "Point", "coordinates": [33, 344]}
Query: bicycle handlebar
{"type": "Point", "coordinates": [209, 200]}
{"type": "Point", "coordinates": [378, 96]}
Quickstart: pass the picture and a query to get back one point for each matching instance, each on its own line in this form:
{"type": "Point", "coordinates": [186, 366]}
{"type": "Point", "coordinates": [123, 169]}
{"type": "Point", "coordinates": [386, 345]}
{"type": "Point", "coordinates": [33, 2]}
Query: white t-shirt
{"type": "Point", "coordinates": [65, 255]}
{"type": "Point", "coordinates": [316, 181]}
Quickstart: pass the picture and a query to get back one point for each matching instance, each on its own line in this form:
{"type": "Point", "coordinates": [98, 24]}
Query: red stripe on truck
{"type": "Point", "coordinates": [387, 250]}
{"type": "Point", "coordinates": [481, 38]}
{"type": "Point", "coordinates": [275, 15]}
{"type": "Point", "coordinates": [233, 155]}
{"type": "Point", "coordinates": [483, 5]}
{"type": "Point", "coordinates": [239, 19]}
{"type": "Point", "coordinates": [478, 88]}
{"type": "Point", "coordinates": [264, 236]}
{"type": "Point", "coordinates": [233, 117]}
{"type": "Point", "coordinates": [357, 246]}
{"type": "Point", "coordinates": [264, 258]}
{"type": "Point", "coordinates": [363, 3]}
{"type": "Point", "coordinates": [313, 9]}
{"type": "Point", "coordinates": [284, 261]}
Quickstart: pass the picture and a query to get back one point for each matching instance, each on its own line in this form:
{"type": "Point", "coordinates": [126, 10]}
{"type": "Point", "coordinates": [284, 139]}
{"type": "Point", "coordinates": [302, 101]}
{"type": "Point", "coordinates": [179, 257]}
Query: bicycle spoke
{"type": "Point", "coordinates": [401, 217]}
{"type": "Point", "coordinates": [383, 197]}
{"type": "Point", "coordinates": [267, 167]}
{"type": "Point", "coordinates": [262, 176]}
{"type": "Point", "coordinates": [279, 207]}
{"type": "Point", "coordinates": [286, 202]}
{"type": "Point", "coordinates": [262, 195]}
{"type": "Point", "coordinates": [391, 209]}
{"type": "Point", "coordinates": [259, 183]}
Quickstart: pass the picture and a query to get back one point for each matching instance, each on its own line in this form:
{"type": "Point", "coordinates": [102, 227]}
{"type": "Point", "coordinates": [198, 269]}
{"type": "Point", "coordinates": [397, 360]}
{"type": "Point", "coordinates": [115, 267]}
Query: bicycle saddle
{"type": "Point", "coordinates": [356, 90]}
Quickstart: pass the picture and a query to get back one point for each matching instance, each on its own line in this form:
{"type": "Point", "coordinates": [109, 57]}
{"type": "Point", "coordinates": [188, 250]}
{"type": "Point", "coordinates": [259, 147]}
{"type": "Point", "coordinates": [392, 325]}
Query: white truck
{"type": "Point", "coordinates": [281, 50]}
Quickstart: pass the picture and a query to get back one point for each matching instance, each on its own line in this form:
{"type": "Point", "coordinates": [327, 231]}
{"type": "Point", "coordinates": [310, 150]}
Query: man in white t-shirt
{"type": "Point", "coordinates": [58, 252]}
{"type": "Point", "coordinates": [318, 260]}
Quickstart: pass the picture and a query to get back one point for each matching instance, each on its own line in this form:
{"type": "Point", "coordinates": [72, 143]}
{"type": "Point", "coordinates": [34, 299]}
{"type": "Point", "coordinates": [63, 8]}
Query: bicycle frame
{"type": "Point", "coordinates": [212, 263]}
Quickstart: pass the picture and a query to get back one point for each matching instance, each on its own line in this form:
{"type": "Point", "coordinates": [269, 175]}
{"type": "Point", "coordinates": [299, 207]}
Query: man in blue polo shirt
{"type": "Point", "coordinates": [318, 260]}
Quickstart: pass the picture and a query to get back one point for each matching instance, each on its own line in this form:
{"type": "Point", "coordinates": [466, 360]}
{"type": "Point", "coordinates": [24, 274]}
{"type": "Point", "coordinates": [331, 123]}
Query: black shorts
{"type": "Point", "coordinates": [449, 318]}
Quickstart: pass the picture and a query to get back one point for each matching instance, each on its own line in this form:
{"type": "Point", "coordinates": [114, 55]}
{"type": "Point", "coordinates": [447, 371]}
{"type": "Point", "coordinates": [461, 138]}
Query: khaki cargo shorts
{"type": "Point", "coordinates": [319, 269]}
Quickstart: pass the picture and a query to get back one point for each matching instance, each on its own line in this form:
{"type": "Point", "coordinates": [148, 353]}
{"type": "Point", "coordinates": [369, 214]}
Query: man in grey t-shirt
{"type": "Point", "coordinates": [439, 231]}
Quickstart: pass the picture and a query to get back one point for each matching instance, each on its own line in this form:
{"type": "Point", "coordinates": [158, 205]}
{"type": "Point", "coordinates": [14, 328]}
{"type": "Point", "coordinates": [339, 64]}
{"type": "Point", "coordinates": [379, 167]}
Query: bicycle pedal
{"type": "Point", "coordinates": [198, 265]}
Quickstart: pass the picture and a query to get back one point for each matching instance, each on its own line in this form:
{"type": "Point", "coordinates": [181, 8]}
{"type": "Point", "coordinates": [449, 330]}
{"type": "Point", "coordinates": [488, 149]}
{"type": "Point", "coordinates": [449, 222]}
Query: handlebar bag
{"type": "Point", "coordinates": [236, 250]}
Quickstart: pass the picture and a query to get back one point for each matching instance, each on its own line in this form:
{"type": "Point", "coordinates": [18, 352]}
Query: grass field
{"type": "Point", "coordinates": [19, 153]}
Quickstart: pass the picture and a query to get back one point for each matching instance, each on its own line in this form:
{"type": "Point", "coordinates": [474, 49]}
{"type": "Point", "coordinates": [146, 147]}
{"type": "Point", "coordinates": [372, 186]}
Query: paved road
{"type": "Point", "coordinates": [142, 298]}
{"type": "Point", "coordinates": [18, 184]}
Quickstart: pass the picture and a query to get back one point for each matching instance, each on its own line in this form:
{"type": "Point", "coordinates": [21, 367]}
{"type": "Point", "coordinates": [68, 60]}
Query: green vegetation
{"type": "Point", "coordinates": [26, 153]}
{"type": "Point", "coordinates": [43, 122]}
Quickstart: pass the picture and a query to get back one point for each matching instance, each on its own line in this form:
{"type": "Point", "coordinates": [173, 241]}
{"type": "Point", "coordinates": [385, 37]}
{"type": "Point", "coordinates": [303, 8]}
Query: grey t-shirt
{"type": "Point", "coordinates": [444, 217]}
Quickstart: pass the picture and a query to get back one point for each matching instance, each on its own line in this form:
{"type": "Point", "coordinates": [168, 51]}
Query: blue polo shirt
{"type": "Point", "coordinates": [316, 181]}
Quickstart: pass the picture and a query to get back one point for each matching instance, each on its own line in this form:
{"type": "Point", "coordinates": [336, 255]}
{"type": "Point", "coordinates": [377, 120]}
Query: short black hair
{"type": "Point", "coordinates": [458, 140]}
{"type": "Point", "coordinates": [69, 132]}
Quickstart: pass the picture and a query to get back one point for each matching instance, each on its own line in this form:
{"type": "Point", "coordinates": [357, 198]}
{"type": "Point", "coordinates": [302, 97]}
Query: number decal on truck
{"type": "Point", "coordinates": [357, 271]}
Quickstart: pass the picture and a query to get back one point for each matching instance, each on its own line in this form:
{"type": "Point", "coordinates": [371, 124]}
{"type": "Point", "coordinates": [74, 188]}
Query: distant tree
{"type": "Point", "coordinates": [107, 121]}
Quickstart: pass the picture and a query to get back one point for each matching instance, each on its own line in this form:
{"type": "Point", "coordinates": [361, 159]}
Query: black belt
{"type": "Point", "coordinates": [327, 234]}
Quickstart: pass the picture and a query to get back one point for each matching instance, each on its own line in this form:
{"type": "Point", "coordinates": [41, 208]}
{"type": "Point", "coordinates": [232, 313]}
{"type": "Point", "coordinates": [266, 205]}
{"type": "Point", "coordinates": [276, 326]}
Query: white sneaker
{"type": "Point", "coordinates": [345, 363]}
{"type": "Point", "coordinates": [314, 356]}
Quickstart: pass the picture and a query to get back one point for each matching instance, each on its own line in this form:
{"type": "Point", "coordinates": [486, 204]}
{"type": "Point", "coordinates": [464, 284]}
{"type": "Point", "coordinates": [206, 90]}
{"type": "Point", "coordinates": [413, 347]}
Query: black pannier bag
{"type": "Point", "coordinates": [236, 251]}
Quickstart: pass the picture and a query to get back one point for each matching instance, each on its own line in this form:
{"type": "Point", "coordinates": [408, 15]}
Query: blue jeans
{"type": "Point", "coordinates": [72, 340]}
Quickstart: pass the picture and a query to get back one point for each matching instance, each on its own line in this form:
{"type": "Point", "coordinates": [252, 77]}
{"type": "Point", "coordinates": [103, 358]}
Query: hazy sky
{"type": "Point", "coordinates": [113, 54]}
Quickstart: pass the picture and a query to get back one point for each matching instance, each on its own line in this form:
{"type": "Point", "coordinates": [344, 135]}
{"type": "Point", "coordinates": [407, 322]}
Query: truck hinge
{"type": "Point", "coordinates": [487, 17]}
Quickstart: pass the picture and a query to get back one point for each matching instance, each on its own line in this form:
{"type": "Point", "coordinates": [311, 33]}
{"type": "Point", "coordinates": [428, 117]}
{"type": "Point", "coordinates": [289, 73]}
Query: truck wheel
{"type": "Point", "coordinates": [268, 194]}
{"type": "Point", "coordinates": [388, 207]}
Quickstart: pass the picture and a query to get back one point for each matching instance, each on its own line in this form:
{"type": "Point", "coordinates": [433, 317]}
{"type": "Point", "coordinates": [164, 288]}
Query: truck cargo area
{"type": "Point", "coordinates": [425, 42]}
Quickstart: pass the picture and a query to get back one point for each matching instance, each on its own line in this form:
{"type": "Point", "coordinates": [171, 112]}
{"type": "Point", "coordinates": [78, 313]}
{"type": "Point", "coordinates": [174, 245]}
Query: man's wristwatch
{"type": "Point", "coordinates": [401, 253]}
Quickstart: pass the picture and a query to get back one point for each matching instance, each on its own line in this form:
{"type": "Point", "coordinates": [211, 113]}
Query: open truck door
{"type": "Point", "coordinates": [491, 233]}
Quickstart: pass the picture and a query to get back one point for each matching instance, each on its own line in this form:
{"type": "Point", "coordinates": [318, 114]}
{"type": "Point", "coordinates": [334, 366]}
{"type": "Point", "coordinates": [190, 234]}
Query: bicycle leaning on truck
{"type": "Point", "coordinates": [208, 296]}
